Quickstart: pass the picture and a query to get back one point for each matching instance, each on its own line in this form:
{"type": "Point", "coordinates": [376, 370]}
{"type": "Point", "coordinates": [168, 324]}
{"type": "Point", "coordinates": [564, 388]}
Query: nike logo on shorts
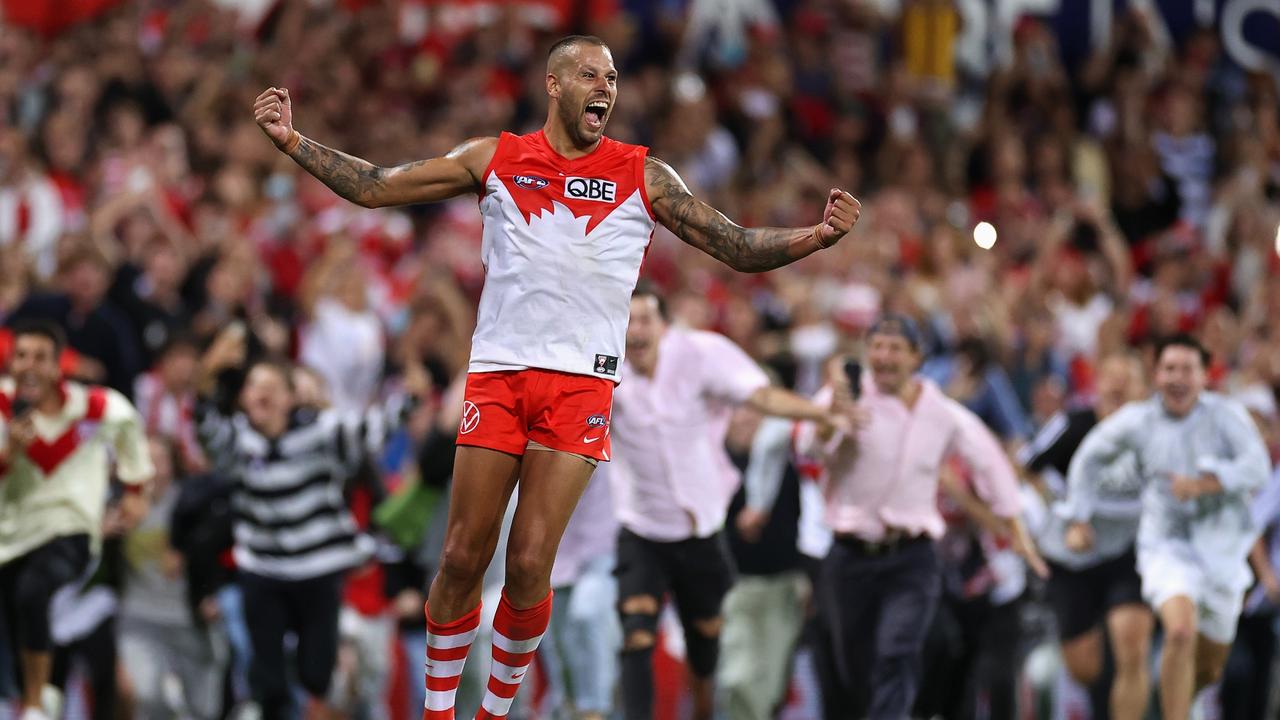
{"type": "Point", "coordinates": [588, 440]}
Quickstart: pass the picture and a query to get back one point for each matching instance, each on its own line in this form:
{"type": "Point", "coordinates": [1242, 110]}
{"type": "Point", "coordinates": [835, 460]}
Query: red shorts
{"type": "Point", "coordinates": [506, 410]}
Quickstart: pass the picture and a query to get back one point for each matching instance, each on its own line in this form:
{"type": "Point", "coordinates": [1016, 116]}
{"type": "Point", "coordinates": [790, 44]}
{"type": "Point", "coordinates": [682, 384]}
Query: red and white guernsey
{"type": "Point", "coordinates": [563, 244]}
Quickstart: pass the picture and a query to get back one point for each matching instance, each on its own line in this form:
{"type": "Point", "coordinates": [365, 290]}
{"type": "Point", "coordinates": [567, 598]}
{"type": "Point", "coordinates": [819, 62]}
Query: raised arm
{"type": "Point", "coordinates": [743, 249]}
{"type": "Point", "coordinates": [364, 183]}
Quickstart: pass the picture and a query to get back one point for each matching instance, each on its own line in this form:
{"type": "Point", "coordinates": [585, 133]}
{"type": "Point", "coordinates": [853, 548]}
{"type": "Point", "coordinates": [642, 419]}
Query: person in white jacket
{"type": "Point", "coordinates": [1201, 458]}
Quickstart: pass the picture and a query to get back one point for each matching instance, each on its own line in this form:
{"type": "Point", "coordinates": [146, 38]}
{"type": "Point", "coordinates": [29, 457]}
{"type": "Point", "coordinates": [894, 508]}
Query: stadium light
{"type": "Point", "coordinates": [984, 234]}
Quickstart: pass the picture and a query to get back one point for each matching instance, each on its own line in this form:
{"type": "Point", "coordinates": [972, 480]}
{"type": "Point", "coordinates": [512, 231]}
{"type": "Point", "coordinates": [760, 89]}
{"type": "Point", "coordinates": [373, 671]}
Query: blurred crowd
{"type": "Point", "coordinates": [1032, 219]}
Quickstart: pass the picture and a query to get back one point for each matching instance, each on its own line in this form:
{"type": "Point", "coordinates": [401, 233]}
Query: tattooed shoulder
{"type": "Point", "coordinates": [662, 181]}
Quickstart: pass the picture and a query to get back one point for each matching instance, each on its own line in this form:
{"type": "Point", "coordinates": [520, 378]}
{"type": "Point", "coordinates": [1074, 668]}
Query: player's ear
{"type": "Point", "coordinates": [553, 86]}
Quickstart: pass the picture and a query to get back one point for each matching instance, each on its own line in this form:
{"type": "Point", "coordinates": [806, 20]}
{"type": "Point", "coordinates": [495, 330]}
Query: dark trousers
{"type": "Point", "coordinates": [697, 573]}
{"type": "Point", "coordinates": [309, 608]}
{"type": "Point", "coordinates": [973, 653]}
{"type": "Point", "coordinates": [96, 652]}
{"type": "Point", "coordinates": [878, 607]}
{"type": "Point", "coordinates": [1246, 681]}
{"type": "Point", "coordinates": [27, 586]}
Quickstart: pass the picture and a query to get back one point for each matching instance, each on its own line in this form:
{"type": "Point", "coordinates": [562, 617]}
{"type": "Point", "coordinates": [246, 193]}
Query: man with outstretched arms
{"type": "Point", "coordinates": [568, 215]}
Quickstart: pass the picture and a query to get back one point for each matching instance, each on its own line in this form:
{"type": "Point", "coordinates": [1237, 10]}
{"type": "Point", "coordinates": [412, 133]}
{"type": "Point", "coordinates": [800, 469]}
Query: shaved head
{"type": "Point", "coordinates": [566, 48]}
{"type": "Point", "coordinates": [582, 84]}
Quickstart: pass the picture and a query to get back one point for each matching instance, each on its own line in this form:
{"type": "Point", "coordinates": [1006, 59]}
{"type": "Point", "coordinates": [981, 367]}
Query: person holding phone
{"type": "Point", "coordinates": [57, 441]}
{"type": "Point", "coordinates": [881, 581]}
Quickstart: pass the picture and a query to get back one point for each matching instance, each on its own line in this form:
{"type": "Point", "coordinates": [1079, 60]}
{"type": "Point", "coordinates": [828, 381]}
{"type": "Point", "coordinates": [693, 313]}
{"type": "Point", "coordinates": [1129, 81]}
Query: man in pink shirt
{"type": "Point", "coordinates": [672, 481]}
{"type": "Point", "coordinates": [880, 583]}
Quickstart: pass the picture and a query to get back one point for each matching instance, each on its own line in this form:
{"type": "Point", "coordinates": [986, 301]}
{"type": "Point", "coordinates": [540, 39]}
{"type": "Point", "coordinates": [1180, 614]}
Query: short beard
{"type": "Point", "coordinates": [572, 126]}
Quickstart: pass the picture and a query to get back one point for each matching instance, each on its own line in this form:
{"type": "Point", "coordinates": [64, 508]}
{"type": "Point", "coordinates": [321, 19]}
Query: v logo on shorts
{"type": "Point", "coordinates": [470, 417]}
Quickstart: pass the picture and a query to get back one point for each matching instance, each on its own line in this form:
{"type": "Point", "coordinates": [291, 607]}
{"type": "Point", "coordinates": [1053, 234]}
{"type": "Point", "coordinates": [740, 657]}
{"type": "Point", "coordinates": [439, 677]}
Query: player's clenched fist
{"type": "Point", "coordinates": [839, 217]}
{"type": "Point", "coordinates": [274, 115]}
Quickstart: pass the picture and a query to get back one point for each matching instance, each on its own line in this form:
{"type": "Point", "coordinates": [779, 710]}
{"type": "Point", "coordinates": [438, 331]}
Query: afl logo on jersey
{"type": "Point", "coordinates": [530, 182]}
{"type": "Point", "coordinates": [590, 189]}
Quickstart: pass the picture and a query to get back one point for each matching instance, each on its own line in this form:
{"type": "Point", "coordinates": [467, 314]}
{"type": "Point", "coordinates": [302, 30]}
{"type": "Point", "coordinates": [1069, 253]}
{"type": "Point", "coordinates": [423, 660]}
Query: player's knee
{"type": "Point", "coordinates": [1130, 646]}
{"type": "Point", "coordinates": [703, 651]}
{"type": "Point", "coordinates": [638, 641]}
{"type": "Point", "coordinates": [528, 568]}
{"type": "Point", "coordinates": [1180, 634]}
{"type": "Point", "coordinates": [1178, 616]}
{"type": "Point", "coordinates": [460, 563]}
{"type": "Point", "coordinates": [639, 605]}
{"type": "Point", "coordinates": [708, 627]}
{"type": "Point", "coordinates": [639, 615]}
{"type": "Point", "coordinates": [1082, 656]}
{"type": "Point", "coordinates": [1083, 669]}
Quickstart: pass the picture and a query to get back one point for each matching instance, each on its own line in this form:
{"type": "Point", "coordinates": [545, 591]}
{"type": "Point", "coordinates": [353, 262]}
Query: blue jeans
{"type": "Point", "coordinates": [231, 604]}
{"type": "Point", "coordinates": [414, 645]}
{"type": "Point", "coordinates": [586, 638]}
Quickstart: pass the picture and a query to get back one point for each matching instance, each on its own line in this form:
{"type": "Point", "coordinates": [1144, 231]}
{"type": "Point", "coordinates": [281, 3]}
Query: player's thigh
{"type": "Point", "coordinates": [1083, 655]}
{"type": "Point", "coordinates": [1219, 615]}
{"type": "Point", "coordinates": [643, 572]}
{"type": "Point", "coordinates": [1211, 658]}
{"type": "Point", "coordinates": [1172, 581]}
{"type": "Point", "coordinates": [1129, 628]}
{"type": "Point", "coordinates": [703, 576]}
{"type": "Point", "coordinates": [551, 484]}
{"type": "Point", "coordinates": [483, 480]}
{"type": "Point", "coordinates": [571, 413]}
{"type": "Point", "coordinates": [1077, 597]}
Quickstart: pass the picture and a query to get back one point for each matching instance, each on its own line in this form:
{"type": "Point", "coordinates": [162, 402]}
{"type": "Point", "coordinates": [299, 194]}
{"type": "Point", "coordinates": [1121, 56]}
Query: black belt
{"type": "Point", "coordinates": [891, 543]}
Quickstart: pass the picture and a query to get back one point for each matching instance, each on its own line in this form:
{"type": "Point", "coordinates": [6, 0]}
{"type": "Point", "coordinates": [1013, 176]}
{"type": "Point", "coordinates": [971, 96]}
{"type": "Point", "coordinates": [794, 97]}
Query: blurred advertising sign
{"type": "Point", "coordinates": [1249, 30]}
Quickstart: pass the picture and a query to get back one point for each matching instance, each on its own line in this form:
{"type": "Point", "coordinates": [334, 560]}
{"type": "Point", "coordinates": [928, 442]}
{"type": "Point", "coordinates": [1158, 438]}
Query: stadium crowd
{"type": "Point", "coordinates": [1032, 220]}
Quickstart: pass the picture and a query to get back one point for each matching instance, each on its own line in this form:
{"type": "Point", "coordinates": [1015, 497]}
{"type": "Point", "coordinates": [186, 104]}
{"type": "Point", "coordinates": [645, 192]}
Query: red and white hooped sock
{"type": "Point", "coordinates": [447, 647]}
{"type": "Point", "coordinates": [516, 634]}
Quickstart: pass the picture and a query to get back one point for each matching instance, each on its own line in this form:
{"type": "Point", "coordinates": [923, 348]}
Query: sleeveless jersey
{"type": "Point", "coordinates": [563, 244]}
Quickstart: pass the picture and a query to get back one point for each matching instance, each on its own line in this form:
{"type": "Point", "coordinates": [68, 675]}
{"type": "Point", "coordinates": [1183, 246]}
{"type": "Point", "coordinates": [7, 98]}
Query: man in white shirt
{"type": "Point", "coordinates": [672, 481]}
{"type": "Point", "coordinates": [54, 476]}
{"type": "Point", "coordinates": [1201, 459]}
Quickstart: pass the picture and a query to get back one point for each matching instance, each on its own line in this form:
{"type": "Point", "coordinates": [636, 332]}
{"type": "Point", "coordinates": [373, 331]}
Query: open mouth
{"type": "Point", "coordinates": [28, 385]}
{"type": "Point", "coordinates": [595, 114]}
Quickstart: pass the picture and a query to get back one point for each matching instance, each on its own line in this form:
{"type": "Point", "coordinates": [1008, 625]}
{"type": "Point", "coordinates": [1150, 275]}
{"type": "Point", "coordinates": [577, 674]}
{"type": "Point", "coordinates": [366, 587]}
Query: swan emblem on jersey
{"type": "Point", "coordinates": [530, 182]}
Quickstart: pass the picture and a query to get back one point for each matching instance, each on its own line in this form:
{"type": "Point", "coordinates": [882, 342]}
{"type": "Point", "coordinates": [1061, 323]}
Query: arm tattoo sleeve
{"type": "Point", "coordinates": [359, 181]}
{"type": "Point", "coordinates": [350, 177]}
{"type": "Point", "coordinates": [704, 227]}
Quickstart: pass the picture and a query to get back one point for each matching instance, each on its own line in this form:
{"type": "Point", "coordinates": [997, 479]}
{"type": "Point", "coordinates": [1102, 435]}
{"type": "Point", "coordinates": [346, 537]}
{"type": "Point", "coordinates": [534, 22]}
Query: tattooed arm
{"type": "Point", "coordinates": [364, 183]}
{"type": "Point", "coordinates": [743, 249]}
